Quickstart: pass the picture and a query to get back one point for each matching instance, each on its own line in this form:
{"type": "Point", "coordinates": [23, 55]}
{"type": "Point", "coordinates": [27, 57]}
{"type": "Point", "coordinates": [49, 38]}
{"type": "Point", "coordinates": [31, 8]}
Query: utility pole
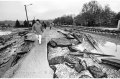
{"type": "Point", "coordinates": [34, 17]}
{"type": "Point", "coordinates": [73, 16]}
{"type": "Point", "coordinates": [27, 14]}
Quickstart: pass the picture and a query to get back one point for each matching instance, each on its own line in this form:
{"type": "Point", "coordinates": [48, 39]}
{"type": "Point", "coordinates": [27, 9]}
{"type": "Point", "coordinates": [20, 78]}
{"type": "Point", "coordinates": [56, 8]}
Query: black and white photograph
{"type": "Point", "coordinates": [59, 38]}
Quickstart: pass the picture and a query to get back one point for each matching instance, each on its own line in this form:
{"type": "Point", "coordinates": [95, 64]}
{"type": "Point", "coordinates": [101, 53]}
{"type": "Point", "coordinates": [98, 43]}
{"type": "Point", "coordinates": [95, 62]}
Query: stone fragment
{"type": "Point", "coordinates": [53, 68]}
{"type": "Point", "coordinates": [96, 72]}
{"type": "Point", "coordinates": [71, 59]}
{"type": "Point", "coordinates": [64, 71]}
{"type": "Point", "coordinates": [79, 67]}
{"type": "Point", "coordinates": [84, 76]}
{"type": "Point", "coordinates": [56, 60]}
{"type": "Point", "coordinates": [60, 42]}
{"type": "Point", "coordinates": [58, 51]}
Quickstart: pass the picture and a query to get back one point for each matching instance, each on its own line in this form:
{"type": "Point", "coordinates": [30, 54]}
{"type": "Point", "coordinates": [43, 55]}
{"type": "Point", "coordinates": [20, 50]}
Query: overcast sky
{"type": "Point", "coordinates": [46, 9]}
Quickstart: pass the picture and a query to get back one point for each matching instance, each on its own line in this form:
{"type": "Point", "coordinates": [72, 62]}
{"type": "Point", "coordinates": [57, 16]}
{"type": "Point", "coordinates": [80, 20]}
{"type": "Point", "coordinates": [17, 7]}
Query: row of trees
{"type": "Point", "coordinates": [25, 24]}
{"type": "Point", "coordinates": [92, 14]}
{"type": "Point", "coordinates": [64, 20]}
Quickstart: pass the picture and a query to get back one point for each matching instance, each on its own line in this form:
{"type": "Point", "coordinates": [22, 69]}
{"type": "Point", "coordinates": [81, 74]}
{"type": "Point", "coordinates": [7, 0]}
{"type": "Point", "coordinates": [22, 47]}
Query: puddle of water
{"type": "Point", "coordinates": [108, 45]}
{"type": "Point", "coordinates": [111, 48]}
{"type": "Point", "coordinates": [5, 32]}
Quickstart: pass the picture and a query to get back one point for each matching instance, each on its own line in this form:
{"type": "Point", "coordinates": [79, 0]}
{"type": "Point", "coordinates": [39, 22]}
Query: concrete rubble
{"type": "Point", "coordinates": [75, 55]}
{"type": "Point", "coordinates": [13, 47]}
{"type": "Point", "coordinates": [75, 60]}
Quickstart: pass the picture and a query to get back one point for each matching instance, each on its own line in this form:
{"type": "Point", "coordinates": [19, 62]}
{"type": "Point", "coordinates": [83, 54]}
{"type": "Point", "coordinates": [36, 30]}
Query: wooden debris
{"type": "Point", "coordinates": [103, 55]}
{"type": "Point", "coordinates": [112, 61]}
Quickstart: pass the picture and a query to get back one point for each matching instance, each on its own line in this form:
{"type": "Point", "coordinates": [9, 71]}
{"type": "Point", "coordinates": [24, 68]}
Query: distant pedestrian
{"type": "Point", "coordinates": [33, 22]}
{"type": "Point", "coordinates": [51, 25]}
{"type": "Point", "coordinates": [44, 24]}
{"type": "Point", "coordinates": [38, 30]}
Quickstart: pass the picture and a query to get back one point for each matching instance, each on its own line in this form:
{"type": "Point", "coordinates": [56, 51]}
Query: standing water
{"type": "Point", "coordinates": [108, 45]}
{"type": "Point", "coordinates": [111, 48]}
{"type": "Point", "coordinates": [5, 32]}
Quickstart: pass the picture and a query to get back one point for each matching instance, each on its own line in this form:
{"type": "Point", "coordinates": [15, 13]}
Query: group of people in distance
{"type": "Point", "coordinates": [38, 29]}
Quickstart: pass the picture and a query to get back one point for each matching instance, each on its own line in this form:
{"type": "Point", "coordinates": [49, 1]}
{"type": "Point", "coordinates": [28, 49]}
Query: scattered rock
{"type": "Point", "coordinates": [84, 64]}
{"type": "Point", "coordinates": [64, 72]}
{"type": "Point", "coordinates": [53, 67]}
{"type": "Point", "coordinates": [69, 36]}
{"type": "Point", "coordinates": [84, 72]}
{"type": "Point", "coordinates": [74, 41]}
{"type": "Point", "coordinates": [78, 47]}
{"type": "Point", "coordinates": [31, 36]}
{"type": "Point", "coordinates": [78, 37]}
{"type": "Point", "coordinates": [52, 44]}
{"type": "Point", "coordinates": [97, 72]}
{"type": "Point", "coordinates": [79, 67]}
{"type": "Point", "coordinates": [5, 66]}
{"type": "Point", "coordinates": [71, 59]}
{"type": "Point", "coordinates": [64, 62]}
{"type": "Point", "coordinates": [9, 54]}
{"type": "Point", "coordinates": [56, 60]}
{"type": "Point", "coordinates": [16, 59]}
{"type": "Point", "coordinates": [110, 71]}
{"type": "Point", "coordinates": [89, 62]}
{"type": "Point", "coordinates": [69, 65]}
{"type": "Point", "coordinates": [84, 76]}
{"type": "Point", "coordinates": [23, 33]}
{"type": "Point", "coordinates": [5, 38]}
{"type": "Point", "coordinates": [55, 76]}
{"type": "Point", "coordinates": [61, 42]}
{"type": "Point", "coordinates": [58, 51]}
{"type": "Point", "coordinates": [72, 49]}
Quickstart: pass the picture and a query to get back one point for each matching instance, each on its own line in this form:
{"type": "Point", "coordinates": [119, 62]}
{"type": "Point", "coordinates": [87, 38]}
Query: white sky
{"type": "Point", "coordinates": [46, 9]}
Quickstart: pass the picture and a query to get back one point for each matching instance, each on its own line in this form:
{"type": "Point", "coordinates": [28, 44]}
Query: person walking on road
{"type": "Point", "coordinates": [38, 30]}
{"type": "Point", "coordinates": [44, 24]}
{"type": "Point", "coordinates": [51, 25]}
